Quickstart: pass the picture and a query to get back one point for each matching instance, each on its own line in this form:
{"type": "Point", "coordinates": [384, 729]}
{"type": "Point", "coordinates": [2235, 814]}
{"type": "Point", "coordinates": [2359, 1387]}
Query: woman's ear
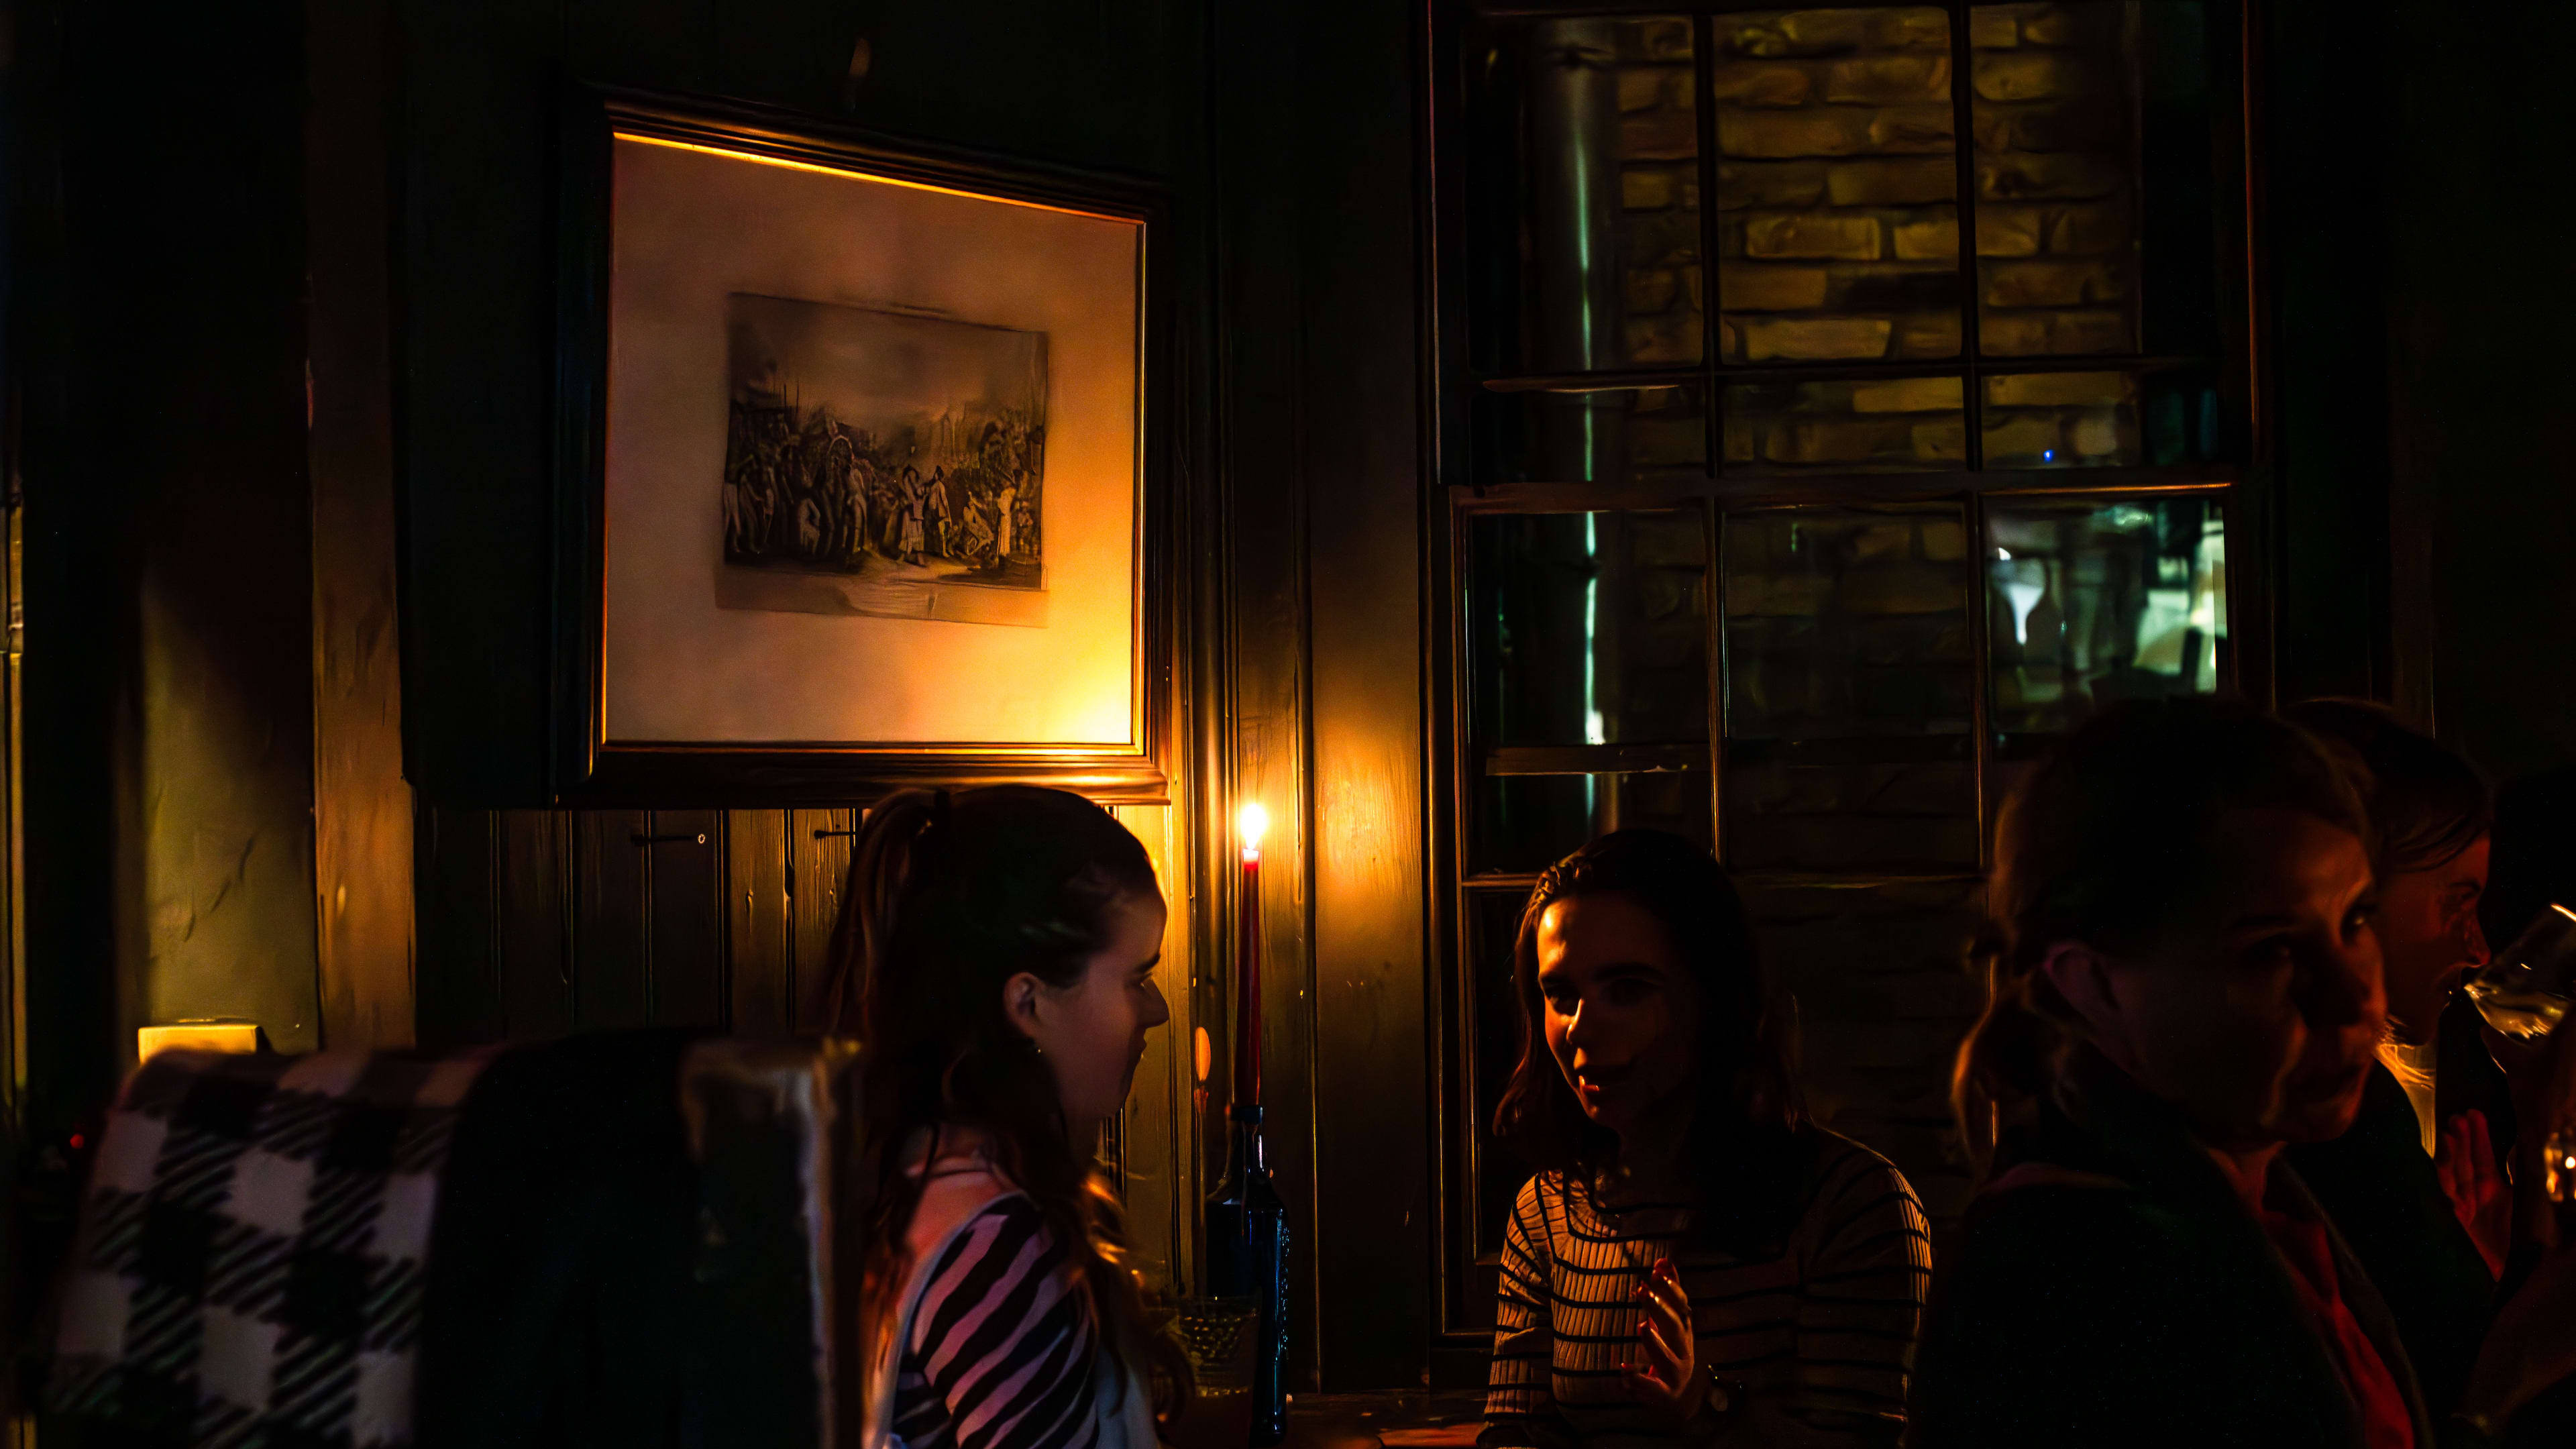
{"type": "Point", "coordinates": [1020, 1004]}
{"type": "Point", "coordinates": [2081, 976]}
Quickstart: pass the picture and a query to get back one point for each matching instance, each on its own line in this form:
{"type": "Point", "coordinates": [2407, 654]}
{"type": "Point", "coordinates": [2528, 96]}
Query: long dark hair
{"type": "Point", "coordinates": [2426, 802]}
{"type": "Point", "coordinates": [1743, 1130]}
{"type": "Point", "coordinates": [2107, 843]}
{"type": "Point", "coordinates": [948, 898]}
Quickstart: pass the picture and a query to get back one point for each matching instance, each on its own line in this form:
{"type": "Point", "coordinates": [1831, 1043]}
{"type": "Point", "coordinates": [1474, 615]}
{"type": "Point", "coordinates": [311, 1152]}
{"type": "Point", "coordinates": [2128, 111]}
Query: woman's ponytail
{"type": "Point", "coordinates": [880, 863]}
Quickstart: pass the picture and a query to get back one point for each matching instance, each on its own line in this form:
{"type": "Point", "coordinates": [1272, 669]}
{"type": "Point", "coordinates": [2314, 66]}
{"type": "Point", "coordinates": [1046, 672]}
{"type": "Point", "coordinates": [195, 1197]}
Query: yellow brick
{"type": "Point", "coordinates": [1812, 235]}
{"type": "Point", "coordinates": [1913, 181]}
{"type": "Point", "coordinates": [1922, 28]}
{"type": "Point", "coordinates": [1746, 84]}
{"type": "Point", "coordinates": [2061, 389]}
{"type": "Point", "coordinates": [1769, 183]}
{"type": "Point", "coordinates": [1906, 395]}
{"type": "Point", "coordinates": [1778, 134]}
{"type": "Point", "coordinates": [1944, 540]}
{"type": "Point", "coordinates": [1640, 88]}
{"type": "Point", "coordinates": [1933, 239]}
{"type": "Point", "coordinates": [1668, 134]}
{"type": "Point", "coordinates": [1647, 189]}
{"type": "Point", "coordinates": [2008, 231]}
{"type": "Point", "coordinates": [1912, 128]}
{"type": "Point", "coordinates": [1928, 334]}
{"type": "Point", "coordinates": [1663, 39]}
{"type": "Point", "coordinates": [1992, 28]}
{"type": "Point", "coordinates": [2052, 284]}
{"type": "Point", "coordinates": [1815, 339]}
{"type": "Point", "coordinates": [2024, 439]}
{"type": "Point", "coordinates": [1881, 542]}
{"type": "Point", "coordinates": [1770, 289]}
{"type": "Point", "coordinates": [1941, 442]}
{"type": "Point", "coordinates": [2052, 26]}
{"type": "Point", "coordinates": [2024, 75]}
{"type": "Point", "coordinates": [1879, 80]}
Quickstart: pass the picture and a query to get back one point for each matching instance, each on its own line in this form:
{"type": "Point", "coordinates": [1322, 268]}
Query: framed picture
{"type": "Point", "coordinates": [854, 484]}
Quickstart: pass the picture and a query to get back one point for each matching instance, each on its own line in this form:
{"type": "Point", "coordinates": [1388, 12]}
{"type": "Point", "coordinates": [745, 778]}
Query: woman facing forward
{"type": "Point", "coordinates": [996, 955]}
{"type": "Point", "coordinates": [1693, 1262]}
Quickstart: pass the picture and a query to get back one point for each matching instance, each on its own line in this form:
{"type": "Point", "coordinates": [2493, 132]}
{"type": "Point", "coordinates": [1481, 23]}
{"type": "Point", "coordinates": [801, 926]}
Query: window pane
{"type": "Point", "coordinates": [1890, 425]}
{"type": "Point", "coordinates": [2055, 86]}
{"type": "Point", "coordinates": [2100, 420]}
{"type": "Point", "coordinates": [1849, 689]}
{"type": "Point", "coordinates": [1837, 185]}
{"type": "Point", "coordinates": [1530, 822]}
{"type": "Point", "coordinates": [1588, 628]}
{"type": "Point", "coordinates": [1614, 435]}
{"type": "Point", "coordinates": [1880, 977]}
{"type": "Point", "coordinates": [1493, 1049]}
{"type": "Point", "coordinates": [1585, 192]}
{"type": "Point", "coordinates": [2096, 600]}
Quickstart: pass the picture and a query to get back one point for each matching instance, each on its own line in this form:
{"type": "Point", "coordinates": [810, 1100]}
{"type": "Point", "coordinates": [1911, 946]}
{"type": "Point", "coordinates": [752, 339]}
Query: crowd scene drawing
{"type": "Point", "coordinates": [887, 445]}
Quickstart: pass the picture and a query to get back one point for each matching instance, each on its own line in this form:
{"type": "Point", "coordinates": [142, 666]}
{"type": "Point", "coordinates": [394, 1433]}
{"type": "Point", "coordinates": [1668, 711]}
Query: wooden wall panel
{"type": "Point", "coordinates": [757, 928]}
{"type": "Point", "coordinates": [530, 919]}
{"type": "Point", "coordinates": [818, 866]}
{"type": "Point", "coordinates": [612, 901]}
{"type": "Point", "coordinates": [460, 982]}
{"type": "Point", "coordinates": [685, 884]}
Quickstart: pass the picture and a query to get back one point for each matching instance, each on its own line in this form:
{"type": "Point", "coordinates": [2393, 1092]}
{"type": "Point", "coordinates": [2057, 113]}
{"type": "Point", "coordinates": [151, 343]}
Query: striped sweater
{"type": "Point", "coordinates": [1820, 1338]}
{"type": "Point", "coordinates": [1002, 1349]}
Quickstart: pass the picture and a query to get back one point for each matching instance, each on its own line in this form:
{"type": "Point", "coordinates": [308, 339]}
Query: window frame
{"type": "Point", "coordinates": [1464, 1278]}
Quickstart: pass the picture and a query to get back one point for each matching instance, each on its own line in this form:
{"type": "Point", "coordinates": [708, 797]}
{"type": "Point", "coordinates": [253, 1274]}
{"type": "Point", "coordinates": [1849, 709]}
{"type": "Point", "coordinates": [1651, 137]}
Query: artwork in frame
{"type": "Point", "coordinates": [853, 469]}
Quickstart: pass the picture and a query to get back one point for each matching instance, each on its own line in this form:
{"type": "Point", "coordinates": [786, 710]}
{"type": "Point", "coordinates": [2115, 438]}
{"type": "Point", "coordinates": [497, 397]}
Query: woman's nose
{"type": "Point", "coordinates": [2473, 938]}
{"type": "Point", "coordinates": [2346, 985]}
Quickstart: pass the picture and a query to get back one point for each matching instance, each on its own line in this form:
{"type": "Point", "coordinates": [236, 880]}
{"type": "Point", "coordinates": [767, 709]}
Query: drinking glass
{"type": "Point", "coordinates": [2525, 988]}
{"type": "Point", "coordinates": [1217, 1335]}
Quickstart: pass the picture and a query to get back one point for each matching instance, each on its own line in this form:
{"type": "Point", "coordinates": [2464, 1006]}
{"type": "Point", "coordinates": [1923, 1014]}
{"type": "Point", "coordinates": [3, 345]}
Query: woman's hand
{"type": "Point", "coordinates": [2478, 1191]}
{"type": "Point", "coordinates": [1669, 1382]}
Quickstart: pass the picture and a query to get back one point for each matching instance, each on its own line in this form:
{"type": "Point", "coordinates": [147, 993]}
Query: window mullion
{"type": "Point", "coordinates": [1704, 103]}
{"type": "Point", "coordinates": [1963, 142]}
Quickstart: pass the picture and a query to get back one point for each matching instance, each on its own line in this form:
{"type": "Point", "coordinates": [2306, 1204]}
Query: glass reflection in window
{"type": "Point", "coordinates": [2097, 600]}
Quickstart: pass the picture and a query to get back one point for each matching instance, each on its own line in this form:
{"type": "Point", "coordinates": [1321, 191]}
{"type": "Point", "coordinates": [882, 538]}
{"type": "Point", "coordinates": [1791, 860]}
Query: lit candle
{"type": "Point", "coordinates": [1250, 822]}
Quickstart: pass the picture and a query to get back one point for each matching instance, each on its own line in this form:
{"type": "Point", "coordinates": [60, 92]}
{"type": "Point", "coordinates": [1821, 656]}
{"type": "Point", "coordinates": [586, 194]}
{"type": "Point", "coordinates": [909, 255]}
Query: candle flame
{"type": "Point", "coordinates": [1251, 821]}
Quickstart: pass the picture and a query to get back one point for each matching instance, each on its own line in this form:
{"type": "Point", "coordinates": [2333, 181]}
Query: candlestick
{"type": "Point", "coordinates": [1252, 822]}
{"type": "Point", "coordinates": [1247, 1225]}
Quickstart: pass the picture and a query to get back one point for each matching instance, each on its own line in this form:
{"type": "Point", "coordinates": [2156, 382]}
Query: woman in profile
{"type": "Point", "coordinates": [1693, 1260]}
{"type": "Point", "coordinates": [2186, 978]}
{"type": "Point", "coordinates": [995, 954]}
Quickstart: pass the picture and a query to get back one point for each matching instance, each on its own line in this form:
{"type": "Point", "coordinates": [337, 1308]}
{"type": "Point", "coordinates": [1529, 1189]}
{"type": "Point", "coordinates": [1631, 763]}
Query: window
{"type": "Point", "coordinates": [1837, 404]}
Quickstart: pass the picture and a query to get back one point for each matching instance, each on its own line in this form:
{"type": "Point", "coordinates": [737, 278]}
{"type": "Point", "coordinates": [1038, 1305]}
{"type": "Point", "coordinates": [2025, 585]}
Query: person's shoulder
{"type": "Point", "coordinates": [1842, 1174]}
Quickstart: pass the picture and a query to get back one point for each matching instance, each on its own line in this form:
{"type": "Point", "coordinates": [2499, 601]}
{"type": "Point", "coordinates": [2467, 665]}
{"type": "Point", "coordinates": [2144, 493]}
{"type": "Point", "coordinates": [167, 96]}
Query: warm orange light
{"type": "Point", "coordinates": [1251, 822]}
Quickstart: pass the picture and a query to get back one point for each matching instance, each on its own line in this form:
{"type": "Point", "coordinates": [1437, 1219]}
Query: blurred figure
{"type": "Point", "coordinates": [2186, 978]}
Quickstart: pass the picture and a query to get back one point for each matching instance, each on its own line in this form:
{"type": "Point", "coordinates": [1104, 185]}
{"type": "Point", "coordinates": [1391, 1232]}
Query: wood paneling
{"type": "Point", "coordinates": [685, 898]}
{"type": "Point", "coordinates": [612, 911]}
{"type": "Point", "coordinates": [818, 866]}
{"type": "Point", "coordinates": [757, 928]}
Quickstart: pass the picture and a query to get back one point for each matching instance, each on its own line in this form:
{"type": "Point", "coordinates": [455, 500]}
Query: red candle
{"type": "Point", "coordinates": [1252, 821]}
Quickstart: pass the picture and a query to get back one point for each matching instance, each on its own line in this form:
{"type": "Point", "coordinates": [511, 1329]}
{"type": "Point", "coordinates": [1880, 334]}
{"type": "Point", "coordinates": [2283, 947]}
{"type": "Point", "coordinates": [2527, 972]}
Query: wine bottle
{"type": "Point", "coordinates": [1247, 1258]}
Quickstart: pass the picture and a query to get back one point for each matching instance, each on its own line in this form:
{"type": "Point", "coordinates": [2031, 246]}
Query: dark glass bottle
{"type": "Point", "coordinates": [1247, 1257]}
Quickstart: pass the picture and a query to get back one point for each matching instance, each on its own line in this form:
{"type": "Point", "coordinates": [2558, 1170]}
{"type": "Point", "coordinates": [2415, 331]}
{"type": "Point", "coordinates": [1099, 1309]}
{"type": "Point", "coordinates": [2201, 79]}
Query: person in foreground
{"type": "Point", "coordinates": [1694, 1262]}
{"type": "Point", "coordinates": [2185, 978]}
{"type": "Point", "coordinates": [995, 956]}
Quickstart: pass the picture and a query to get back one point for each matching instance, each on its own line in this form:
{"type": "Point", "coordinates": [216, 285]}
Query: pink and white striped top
{"type": "Point", "coordinates": [1003, 1348]}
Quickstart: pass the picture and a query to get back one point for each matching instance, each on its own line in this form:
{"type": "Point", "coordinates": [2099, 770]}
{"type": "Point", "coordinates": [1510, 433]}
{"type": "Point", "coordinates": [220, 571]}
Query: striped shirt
{"type": "Point", "coordinates": [1822, 1334]}
{"type": "Point", "coordinates": [1001, 1354]}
